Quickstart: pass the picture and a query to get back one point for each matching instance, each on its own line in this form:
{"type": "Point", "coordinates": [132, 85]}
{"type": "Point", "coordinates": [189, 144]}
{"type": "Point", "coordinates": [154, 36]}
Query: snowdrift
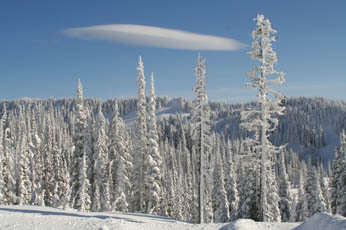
{"type": "Point", "coordinates": [323, 221]}
{"type": "Point", "coordinates": [42, 218]}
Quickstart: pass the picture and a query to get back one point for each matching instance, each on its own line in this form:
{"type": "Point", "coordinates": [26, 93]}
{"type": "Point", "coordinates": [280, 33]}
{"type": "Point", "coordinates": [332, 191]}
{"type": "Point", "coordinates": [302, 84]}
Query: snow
{"type": "Point", "coordinates": [323, 221]}
{"type": "Point", "coordinates": [36, 217]}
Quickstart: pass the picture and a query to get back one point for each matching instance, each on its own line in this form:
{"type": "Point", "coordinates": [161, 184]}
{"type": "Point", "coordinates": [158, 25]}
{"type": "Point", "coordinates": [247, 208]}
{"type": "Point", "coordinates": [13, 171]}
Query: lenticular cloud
{"type": "Point", "coordinates": [155, 37]}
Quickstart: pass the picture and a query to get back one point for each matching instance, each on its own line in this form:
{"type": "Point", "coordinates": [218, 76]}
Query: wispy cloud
{"type": "Point", "coordinates": [154, 36]}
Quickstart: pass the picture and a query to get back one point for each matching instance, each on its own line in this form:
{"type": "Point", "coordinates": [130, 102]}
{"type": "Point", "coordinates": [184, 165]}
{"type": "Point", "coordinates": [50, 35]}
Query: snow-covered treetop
{"type": "Point", "coordinates": [262, 51]}
{"type": "Point", "coordinates": [152, 87]}
{"type": "Point", "coordinates": [200, 67]}
{"type": "Point", "coordinates": [79, 90]}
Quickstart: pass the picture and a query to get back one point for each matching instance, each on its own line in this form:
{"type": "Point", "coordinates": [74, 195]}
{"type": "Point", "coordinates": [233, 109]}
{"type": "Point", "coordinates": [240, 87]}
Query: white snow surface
{"type": "Point", "coordinates": [323, 221]}
{"type": "Point", "coordinates": [35, 217]}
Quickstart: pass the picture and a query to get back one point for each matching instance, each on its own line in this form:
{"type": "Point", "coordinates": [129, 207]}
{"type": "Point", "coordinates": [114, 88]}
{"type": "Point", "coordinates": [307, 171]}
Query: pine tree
{"type": "Point", "coordinates": [220, 202]}
{"type": "Point", "coordinates": [302, 209]}
{"type": "Point", "coordinates": [231, 184]}
{"type": "Point", "coordinates": [101, 196]}
{"type": "Point", "coordinates": [201, 137]}
{"type": "Point", "coordinates": [48, 172]}
{"type": "Point", "coordinates": [80, 198]}
{"type": "Point", "coordinates": [153, 161]}
{"type": "Point", "coordinates": [2, 182]}
{"type": "Point", "coordinates": [24, 182]}
{"type": "Point", "coordinates": [261, 119]}
{"type": "Point", "coordinates": [284, 189]}
{"type": "Point", "coordinates": [248, 190]}
{"type": "Point", "coordinates": [338, 180]}
{"type": "Point", "coordinates": [141, 144]}
{"type": "Point", "coordinates": [123, 186]}
{"type": "Point", "coordinates": [37, 197]}
{"type": "Point", "coordinates": [9, 169]}
{"type": "Point", "coordinates": [315, 199]}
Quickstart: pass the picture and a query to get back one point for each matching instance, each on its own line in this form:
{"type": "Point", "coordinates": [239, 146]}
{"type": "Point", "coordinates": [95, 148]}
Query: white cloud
{"type": "Point", "coordinates": [155, 37]}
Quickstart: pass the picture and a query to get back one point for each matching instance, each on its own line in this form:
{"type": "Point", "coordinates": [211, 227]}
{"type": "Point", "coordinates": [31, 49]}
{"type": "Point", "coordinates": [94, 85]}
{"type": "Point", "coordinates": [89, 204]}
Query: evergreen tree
{"type": "Point", "coordinates": [2, 182]}
{"type": "Point", "coordinates": [9, 169]}
{"type": "Point", "coordinates": [315, 199]}
{"type": "Point", "coordinates": [139, 175]}
{"type": "Point", "coordinates": [80, 198]}
{"type": "Point", "coordinates": [123, 186]}
{"type": "Point", "coordinates": [202, 145]}
{"type": "Point", "coordinates": [231, 184]}
{"type": "Point", "coordinates": [302, 209]}
{"type": "Point", "coordinates": [284, 189]}
{"type": "Point", "coordinates": [261, 119]}
{"type": "Point", "coordinates": [101, 196]}
{"type": "Point", "coordinates": [24, 182]}
{"type": "Point", "coordinates": [153, 161]}
{"type": "Point", "coordinates": [48, 171]}
{"type": "Point", "coordinates": [338, 180]}
{"type": "Point", "coordinates": [220, 202]}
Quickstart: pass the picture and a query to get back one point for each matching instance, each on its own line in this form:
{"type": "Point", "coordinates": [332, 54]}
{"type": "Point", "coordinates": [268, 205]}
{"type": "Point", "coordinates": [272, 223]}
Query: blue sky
{"type": "Point", "coordinates": [38, 60]}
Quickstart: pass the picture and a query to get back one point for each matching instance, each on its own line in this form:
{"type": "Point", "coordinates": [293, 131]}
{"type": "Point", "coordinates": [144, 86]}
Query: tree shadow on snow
{"type": "Point", "coordinates": [56, 213]}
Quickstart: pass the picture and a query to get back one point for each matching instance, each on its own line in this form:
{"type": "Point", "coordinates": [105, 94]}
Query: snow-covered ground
{"type": "Point", "coordinates": [33, 217]}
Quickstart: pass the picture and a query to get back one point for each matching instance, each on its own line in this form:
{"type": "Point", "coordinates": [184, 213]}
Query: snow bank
{"type": "Point", "coordinates": [242, 224]}
{"type": "Point", "coordinates": [246, 224]}
{"type": "Point", "coordinates": [323, 221]}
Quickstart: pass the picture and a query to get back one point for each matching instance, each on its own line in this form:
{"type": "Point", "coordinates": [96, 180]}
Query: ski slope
{"type": "Point", "coordinates": [46, 218]}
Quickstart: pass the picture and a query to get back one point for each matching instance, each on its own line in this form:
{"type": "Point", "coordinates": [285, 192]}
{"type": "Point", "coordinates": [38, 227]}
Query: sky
{"type": "Point", "coordinates": [40, 58]}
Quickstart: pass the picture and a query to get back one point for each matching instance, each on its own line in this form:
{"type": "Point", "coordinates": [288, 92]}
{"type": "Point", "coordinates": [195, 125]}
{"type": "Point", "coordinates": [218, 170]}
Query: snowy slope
{"type": "Point", "coordinates": [39, 218]}
{"type": "Point", "coordinates": [323, 221]}
{"type": "Point", "coordinates": [33, 217]}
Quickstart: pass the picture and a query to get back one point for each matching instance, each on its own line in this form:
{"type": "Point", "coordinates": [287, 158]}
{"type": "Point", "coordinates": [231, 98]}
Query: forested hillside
{"type": "Point", "coordinates": [36, 151]}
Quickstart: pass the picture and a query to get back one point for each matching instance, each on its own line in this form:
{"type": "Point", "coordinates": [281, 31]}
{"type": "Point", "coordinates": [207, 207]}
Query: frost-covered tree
{"type": "Point", "coordinates": [284, 189]}
{"type": "Point", "coordinates": [220, 201]}
{"type": "Point", "coordinates": [302, 209]}
{"type": "Point", "coordinates": [24, 182]}
{"type": "Point", "coordinates": [338, 180]}
{"type": "Point", "coordinates": [123, 186]}
{"type": "Point", "coordinates": [315, 199]}
{"type": "Point", "coordinates": [80, 198]}
{"type": "Point", "coordinates": [202, 141]}
{"type": "Point", "coordinates": [139, 176]}
{"type": "Point", "coordinates": [231, 183]}
{"type": "Point", "coordinates": [2, 183]}
{"type": "Point", "coordinates": [9, 169]}
{"type": "Point", "coordinates": [48, 170]}
{"type": "Point", "coordinates": [262, 118]}
{"type": "Point", "coordinates": [248, 189]}
{"type": "Point", "coordinates": [153, 158]}
{"type": "Point", "coordinates": [101, 192]}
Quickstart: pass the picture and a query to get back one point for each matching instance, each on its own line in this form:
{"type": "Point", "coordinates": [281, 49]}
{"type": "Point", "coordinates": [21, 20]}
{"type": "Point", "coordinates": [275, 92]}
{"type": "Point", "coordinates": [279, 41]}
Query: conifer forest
{"type": "Point", "coordinates": [276, 159]}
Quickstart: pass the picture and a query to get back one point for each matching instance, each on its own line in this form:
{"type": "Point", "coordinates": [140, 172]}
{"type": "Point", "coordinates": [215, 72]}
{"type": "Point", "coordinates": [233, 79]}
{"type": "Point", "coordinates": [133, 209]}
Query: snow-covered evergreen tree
{"type": "Point", "coordinates": [315, 199]}
{"type": "Point", "coordinates": [231, 183]}
{"type": "Point", "coordinates": [9, 169]}
{"type": "Point", "coordinates": [139, 176]}
{"type": "Point", "coordinates": [220, 201]}
{"type": "Point", "coordinates": [153, 158]}
{"type": "Point", "coordinates": [123, 186]}
{"type": "Point", "coordinates": [261, 119]}
{"type": "Point", "coordinates": [2, 182]}
{"type": "Point", "coordinates": [48, 171]}
{"type": "Point", "coordinates": [302, 209]}
{"type": "Point", "coordinates": [284, 189]}
{"type": "Point", "coordinates": [24, 182]}
{"type": "Point", "coordinates": [101, 192]}
{"type": "Point", "coordinates": [338, 180]}
{"type": "Point", "coordinates": [202, 145]}
{"type": "Point", "coordinates": [80, 198]}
